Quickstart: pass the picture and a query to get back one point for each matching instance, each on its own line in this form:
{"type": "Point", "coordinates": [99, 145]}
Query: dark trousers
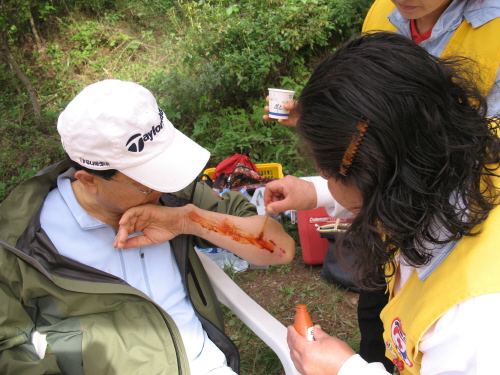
{"type": "Point", "coordinates": [372, 347]}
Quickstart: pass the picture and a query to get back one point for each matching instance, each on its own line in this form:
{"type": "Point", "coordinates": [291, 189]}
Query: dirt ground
{"type": "Point", "coordinates": [279, 288]}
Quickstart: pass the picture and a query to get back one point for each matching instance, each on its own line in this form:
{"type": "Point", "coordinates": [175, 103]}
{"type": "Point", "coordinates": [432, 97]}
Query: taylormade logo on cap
{"type": "Point", "coordinates": [136, 142]}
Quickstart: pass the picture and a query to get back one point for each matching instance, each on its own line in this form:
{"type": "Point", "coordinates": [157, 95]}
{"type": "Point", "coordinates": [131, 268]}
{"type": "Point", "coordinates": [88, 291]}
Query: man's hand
{"type": "Point", "coordinates": [158, 224]}
{"type": "Point", "coordinates": [289, 193]}
{"type": "Point", "coordinates": [293, 116]}
{"type": "Point", "coordinates": [324, 356]}
{"type": "Point", "coordinates": [243, 236]}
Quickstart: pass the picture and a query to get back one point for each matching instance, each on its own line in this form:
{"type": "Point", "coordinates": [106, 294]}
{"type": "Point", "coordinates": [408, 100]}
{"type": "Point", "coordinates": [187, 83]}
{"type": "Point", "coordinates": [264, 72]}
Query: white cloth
{"type": "Point", "coordinates": [150, 269]}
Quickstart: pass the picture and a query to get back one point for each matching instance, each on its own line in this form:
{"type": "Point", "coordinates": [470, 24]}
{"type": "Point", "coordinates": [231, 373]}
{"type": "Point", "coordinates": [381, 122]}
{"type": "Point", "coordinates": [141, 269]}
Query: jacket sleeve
{"type": "Point", "coordinates": [231, 203]}
{"type": "Point", "coordinates": [17, 353]}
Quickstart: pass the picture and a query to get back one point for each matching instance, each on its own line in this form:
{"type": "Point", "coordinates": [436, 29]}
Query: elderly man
{"type": "Point", "coordinates": [146, 310]}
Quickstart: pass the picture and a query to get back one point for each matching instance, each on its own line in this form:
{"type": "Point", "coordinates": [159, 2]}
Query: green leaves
{"type": "Point", "coordinates": [232, 9]}
{"type": "Point", "coordinates": [247, 51]}
{"type": "Point", "coordinates": [208, 63]}
{"type": "Point", "coordinates": [229, 54]}
{"type": "Point", "coordinates": [45, 9]}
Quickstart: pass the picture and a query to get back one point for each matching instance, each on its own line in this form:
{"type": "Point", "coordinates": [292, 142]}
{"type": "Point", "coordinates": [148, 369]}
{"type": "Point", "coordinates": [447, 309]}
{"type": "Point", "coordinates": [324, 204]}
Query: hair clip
{"type": "Point", "coordinates": [350, 152]}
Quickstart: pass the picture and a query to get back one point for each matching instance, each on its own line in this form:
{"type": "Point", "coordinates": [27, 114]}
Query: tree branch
{"type": "Point", "coordinates": [34, 30]}
{"type": "Point", "coordinates": [4, 48]}
{"type": "Point", "coordinates": [48, 100]}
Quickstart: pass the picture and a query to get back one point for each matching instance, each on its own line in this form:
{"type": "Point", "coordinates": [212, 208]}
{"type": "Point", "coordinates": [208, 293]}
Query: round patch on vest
{"type": "Point", "coordinates": [399, 340]}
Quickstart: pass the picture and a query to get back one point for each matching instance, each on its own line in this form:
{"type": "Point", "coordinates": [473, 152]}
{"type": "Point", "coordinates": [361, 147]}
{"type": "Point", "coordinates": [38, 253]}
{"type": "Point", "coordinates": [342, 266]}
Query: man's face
{"type": "Point", "coordinates": [118, 195]}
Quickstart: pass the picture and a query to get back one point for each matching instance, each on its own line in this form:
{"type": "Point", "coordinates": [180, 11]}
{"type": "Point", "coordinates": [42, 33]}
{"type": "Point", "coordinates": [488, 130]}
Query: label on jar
{"type": "Point", "coordinates": [310, 334]}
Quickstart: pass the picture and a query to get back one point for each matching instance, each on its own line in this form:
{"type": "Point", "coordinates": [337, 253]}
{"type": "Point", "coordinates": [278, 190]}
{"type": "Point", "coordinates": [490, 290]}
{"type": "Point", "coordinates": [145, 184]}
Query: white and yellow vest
{"type": "Point", "coordinates": [471, 269]}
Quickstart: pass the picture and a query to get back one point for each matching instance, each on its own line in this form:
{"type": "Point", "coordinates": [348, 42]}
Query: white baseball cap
{"type": "Point", "coordinates": [114, 124]}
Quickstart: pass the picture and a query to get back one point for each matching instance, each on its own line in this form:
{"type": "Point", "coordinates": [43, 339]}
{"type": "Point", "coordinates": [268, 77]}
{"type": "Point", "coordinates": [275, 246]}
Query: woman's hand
{"type": "Point", "coordinates": [289, 193]}
{"type": "Point", "coordinates": [293, 116]}
{"type": "Point", "coordinates": [324, 356]}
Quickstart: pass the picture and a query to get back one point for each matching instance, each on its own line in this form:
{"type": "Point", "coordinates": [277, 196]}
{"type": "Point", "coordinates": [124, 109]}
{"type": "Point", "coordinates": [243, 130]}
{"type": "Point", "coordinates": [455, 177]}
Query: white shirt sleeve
{"type": "Point", "coordinates": [326, 200]}
{"type": "Point", "coordinates": [464, 341]}
{"type": "Point", "coordinates": [356, 365]}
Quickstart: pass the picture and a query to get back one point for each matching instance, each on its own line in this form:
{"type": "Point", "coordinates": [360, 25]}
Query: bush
{"type": "Point", "coordinates": [230, 54]}
{"type": "Point", "coordinates": [208, 62]}
{"type": "Point", "coordinates": [237, 130]}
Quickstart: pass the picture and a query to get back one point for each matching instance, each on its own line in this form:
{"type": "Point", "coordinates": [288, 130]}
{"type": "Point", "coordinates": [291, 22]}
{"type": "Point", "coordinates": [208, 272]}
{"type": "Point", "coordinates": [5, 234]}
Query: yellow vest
{"type": "Point", "coordinates": [480, 44]}
{"type": "Point", "coordinates": [471, 269]}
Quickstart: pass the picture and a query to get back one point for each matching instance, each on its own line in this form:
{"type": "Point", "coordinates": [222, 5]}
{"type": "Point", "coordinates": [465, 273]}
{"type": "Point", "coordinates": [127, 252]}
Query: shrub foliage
{"type": "Point", "coordinates": [208, 62]}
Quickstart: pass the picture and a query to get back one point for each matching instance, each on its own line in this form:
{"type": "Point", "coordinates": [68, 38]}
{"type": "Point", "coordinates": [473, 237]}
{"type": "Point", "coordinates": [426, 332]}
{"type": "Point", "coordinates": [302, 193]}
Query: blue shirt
{"type": "Point", "coordinates": [150, 269]}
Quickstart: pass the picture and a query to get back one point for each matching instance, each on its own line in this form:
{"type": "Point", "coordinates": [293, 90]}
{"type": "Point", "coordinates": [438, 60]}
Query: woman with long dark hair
{"type": "Point", "coordinates": [444, 28]}
{"type": "Point", "coordinates": [402, 138]}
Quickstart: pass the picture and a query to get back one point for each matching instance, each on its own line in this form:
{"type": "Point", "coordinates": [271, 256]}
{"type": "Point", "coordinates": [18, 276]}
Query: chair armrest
{"type": "Point", "coordinates": [263, 324]}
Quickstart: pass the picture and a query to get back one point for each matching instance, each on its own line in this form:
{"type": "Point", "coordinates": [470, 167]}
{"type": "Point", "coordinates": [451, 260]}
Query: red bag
{"type": "Point", "coordinates": [227, 166]}
{"type": "Point", "coordinates": [242, 177]}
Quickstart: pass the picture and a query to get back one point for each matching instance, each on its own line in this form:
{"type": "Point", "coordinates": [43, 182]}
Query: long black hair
{"type": "Point", "coordinates": [427, 154]}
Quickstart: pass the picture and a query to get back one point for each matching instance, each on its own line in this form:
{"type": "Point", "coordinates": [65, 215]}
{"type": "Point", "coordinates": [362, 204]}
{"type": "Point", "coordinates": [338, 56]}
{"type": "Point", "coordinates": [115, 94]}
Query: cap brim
{"type": "Point", "coordinates": [173, 169]}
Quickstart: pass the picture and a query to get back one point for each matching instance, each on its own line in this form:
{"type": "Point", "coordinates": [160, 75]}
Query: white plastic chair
{"type": "Point", "coordinates": [263, 324]}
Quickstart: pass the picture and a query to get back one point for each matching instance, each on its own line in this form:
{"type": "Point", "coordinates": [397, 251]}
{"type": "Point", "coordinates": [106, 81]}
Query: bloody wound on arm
{"type": "Point", "coordinates": [227, 228]}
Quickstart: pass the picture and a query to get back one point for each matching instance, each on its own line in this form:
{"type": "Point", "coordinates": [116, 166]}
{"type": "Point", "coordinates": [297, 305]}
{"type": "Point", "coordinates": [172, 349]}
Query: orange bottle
{"type": "Point", "coordinates": [303, 323]}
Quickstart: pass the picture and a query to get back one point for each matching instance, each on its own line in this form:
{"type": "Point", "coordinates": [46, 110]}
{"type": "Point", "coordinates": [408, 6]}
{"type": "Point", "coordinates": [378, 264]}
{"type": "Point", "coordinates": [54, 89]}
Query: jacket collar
{"type": "Point", "coordinates": [85, 220]}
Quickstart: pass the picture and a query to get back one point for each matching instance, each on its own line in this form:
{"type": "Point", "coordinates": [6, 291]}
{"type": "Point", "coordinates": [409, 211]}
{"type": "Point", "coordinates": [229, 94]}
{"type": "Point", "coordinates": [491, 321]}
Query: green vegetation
{"type": "Point", "coordinates": [209, 64]}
